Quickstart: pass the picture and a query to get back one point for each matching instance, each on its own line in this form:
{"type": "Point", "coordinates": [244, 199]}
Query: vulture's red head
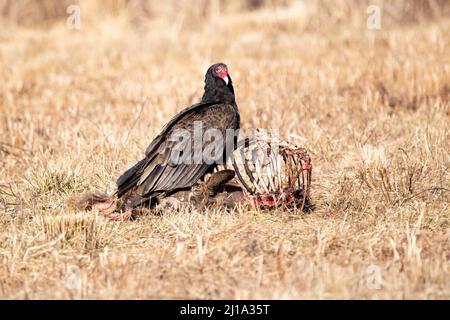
{"type": "Point", "coordinates": [218, 84]}
{"type": "Point", "coordinates": [220, 70]}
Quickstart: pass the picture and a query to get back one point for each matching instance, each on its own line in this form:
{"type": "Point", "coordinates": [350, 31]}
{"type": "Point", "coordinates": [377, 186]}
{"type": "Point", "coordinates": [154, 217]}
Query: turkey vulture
{"type": "Point", "coordinates": [158, 175]}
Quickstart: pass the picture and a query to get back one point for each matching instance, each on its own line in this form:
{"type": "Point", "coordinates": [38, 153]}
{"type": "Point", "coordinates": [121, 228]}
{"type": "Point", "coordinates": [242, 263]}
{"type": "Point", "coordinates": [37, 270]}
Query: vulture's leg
{"type": "Point", "coordinates": [205, 193]}
{"type": "Point", "coordinates": [201, 194]}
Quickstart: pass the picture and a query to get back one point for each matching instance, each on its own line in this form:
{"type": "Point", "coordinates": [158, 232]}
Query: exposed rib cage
{"type": "Point", "coordinates": [273, 172]}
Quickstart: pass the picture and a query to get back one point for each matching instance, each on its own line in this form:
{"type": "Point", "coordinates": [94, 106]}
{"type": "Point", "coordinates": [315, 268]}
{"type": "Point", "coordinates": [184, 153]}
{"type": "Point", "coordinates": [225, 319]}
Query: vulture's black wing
{"type": "Point", "coordinates": [156, 173]}
{"type": "Point", "coordinates": [130, 177]}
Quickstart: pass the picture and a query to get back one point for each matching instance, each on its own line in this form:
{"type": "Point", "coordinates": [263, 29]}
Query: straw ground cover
{"type": "Point", "coordinates": [78, 107]}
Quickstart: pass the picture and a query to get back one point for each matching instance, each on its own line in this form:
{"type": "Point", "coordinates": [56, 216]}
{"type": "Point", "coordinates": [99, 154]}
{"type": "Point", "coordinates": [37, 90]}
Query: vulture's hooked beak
{"type": "Point", "coordinates": [226, 80]}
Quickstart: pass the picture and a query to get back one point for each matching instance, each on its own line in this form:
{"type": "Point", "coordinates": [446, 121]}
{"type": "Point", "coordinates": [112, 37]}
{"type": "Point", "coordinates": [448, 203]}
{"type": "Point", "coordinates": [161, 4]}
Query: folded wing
{"type": "Point", "coordinates": [157, 172]}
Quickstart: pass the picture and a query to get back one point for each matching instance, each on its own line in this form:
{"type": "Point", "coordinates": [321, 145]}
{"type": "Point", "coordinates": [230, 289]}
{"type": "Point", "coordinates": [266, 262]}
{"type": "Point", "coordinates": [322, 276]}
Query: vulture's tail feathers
{"type": "Point", "coordinates": [129, 178]}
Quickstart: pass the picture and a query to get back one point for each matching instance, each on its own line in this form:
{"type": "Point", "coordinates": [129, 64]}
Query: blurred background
{"type": "Point", "coordinates": [130, 65]}
{"type": "Point", "coordinates": [285, 56]}
{"type": "Point", "coordinates": [34, 13]}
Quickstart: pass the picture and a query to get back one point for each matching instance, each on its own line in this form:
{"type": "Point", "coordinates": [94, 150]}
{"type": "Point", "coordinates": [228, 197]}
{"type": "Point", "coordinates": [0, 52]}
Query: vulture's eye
{"type": "Point", "coordinates": [217, 70]}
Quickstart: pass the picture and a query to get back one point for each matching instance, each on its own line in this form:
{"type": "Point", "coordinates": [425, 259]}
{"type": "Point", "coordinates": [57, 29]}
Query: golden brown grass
{"type": "Point", "coordinates": [372, 107]}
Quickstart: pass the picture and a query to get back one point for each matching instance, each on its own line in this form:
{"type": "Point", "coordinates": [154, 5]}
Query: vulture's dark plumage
{"type": "Point", "coordinates": [156, 174]}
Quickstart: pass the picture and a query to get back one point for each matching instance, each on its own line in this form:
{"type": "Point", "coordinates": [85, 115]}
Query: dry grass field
{"type": "Point", "coordinates": [78, 107]}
